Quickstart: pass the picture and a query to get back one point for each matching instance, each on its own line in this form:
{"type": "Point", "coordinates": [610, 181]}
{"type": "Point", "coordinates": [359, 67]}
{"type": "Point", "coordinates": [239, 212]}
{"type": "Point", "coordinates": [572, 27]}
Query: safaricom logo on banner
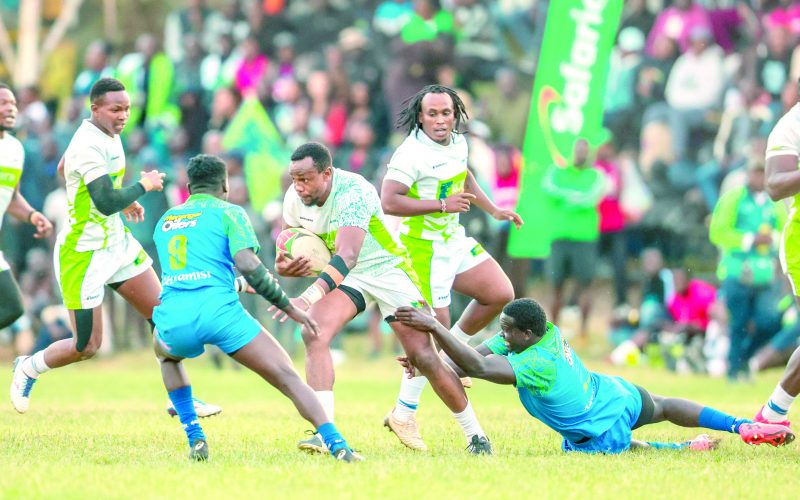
{"type": "Point", "coordinates": [562, 112]}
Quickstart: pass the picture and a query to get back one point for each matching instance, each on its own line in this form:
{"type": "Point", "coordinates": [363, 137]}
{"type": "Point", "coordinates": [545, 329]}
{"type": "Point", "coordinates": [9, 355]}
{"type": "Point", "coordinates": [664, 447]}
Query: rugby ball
{"type": "Point", "coordinates": [299, 242]}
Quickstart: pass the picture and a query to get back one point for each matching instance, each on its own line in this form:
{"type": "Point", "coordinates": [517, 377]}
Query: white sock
{"type": "Point", "coordinates": [35, 365]}
{"type": "Point", "coordinates": [326, 400]}
{"type": "Point", "coordinates": [469, 422]}
{"type": "Point", "coordinates": [460, 335]}
{"type": "Point", "coordinates": [778, 405]}
{"type": "Point", "coordinates": [408, 399]}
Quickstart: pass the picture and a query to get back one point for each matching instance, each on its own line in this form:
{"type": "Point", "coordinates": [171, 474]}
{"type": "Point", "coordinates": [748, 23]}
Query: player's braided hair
{"type": "Point", "coordinates": [528, 315]}
{"type": "Point", "coordinates": [408, 119]}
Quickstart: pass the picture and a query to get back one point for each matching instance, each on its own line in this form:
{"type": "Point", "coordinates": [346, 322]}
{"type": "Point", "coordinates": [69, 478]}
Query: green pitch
{"type": "Point", "coordinates": [100, 430]}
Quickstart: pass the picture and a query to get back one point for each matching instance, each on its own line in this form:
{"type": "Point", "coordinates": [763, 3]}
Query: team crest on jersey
{"type": "Point", "coordinates": [182, 221]}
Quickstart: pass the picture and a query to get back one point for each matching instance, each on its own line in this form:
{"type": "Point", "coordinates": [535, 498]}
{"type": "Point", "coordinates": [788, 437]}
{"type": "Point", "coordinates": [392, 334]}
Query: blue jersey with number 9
{"type": "Point", "coordinates": [196, 242]}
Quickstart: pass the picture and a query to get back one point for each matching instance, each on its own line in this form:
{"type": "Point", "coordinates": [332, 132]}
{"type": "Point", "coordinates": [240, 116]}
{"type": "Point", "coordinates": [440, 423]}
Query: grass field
{"type": "Point", "coordinates": [100, 430]}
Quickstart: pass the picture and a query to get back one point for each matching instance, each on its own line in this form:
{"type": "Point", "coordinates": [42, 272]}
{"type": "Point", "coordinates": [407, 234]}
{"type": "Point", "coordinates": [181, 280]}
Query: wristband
{"type": "Point", "coordinates": [444, 205]}
{"type": "Point", "coordinates": [240, 284]}
{"type": "Point", "coordinates": [313, 294]}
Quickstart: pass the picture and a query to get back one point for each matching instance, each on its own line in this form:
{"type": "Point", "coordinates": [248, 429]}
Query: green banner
{"type": "Point", "coordinates": [567, 103]}
{"type": "Point", "coordinates": [252, 133]}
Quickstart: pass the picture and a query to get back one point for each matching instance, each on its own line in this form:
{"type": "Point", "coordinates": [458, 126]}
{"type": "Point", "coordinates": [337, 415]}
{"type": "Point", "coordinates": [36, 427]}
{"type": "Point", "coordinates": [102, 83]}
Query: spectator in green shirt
{"type": "Point", "coordinates": [746, 226]}
{"type": "Point", "coordinates": [575, 192]}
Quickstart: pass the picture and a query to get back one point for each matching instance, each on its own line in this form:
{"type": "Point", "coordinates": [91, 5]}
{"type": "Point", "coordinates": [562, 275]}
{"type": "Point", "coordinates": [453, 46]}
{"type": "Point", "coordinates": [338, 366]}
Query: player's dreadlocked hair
{"type": "Point", "coordinates": [408, 119]}
{"type": "Point", "coordinates": [528, 315]}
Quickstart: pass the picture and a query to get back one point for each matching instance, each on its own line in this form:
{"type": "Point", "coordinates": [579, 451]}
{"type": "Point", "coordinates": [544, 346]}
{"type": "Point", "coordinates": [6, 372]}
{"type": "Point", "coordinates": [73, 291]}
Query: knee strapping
{"type": "Point", "coordinates": [83, 327]}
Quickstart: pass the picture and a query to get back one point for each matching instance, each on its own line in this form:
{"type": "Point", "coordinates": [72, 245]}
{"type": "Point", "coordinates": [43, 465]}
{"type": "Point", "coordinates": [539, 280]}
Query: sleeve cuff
{"type": "Point", "coordinates": [393, 174]}
{"type": "Point", "coordinates": [747, 241]}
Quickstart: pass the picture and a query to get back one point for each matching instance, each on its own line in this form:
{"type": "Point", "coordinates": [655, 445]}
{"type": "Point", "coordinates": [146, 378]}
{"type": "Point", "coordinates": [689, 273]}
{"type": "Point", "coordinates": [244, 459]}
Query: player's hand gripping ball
{"type": "Point", "coordinates": [298, 242]}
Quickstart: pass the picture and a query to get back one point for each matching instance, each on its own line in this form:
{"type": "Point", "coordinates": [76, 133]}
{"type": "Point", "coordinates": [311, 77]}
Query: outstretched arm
{"type": "Point", "coordinates": [21, 210]}
{"type": "Point", "coordinates": [490, 367]}
{"type": "Point", "coordinates": [109, 200]}
{"type": "Point", "coordinates": [262, 281]}
{"type": "Point", "coordinates": [488, 205]}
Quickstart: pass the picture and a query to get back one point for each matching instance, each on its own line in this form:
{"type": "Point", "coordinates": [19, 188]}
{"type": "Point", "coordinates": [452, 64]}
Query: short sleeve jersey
{"type": "Point", "coordinates": [90, 155]}
{"type": "Point", "coordinates": [431, 172]}
{"type": "Point", "coordinates": [785, 140]}
{"type": "Point", "coordinates": [352, 202]}
{"type": "Point", "coordinates": [12, 158]}
{"type": "Point", "coordinates": [196, 242]}
{"type": "Point", "coordinates": [555, 387]}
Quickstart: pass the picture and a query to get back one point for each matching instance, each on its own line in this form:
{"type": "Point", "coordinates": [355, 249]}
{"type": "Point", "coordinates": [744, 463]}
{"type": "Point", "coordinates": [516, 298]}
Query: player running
{"type": "Point", "coordinates": [594, 413]}
{"type": "Point", "coordinates": [783, 181]}
{"type": "Point", "coordinates": [368, 264]}
{"type": "Point", "coordinates": [198, 244]}
{"type": "Point", "coordinates": [95, 249]}
{"type": "Point", "coordinates": [12, 158]}
{"type": "Point", "coordinates": [428, 184]}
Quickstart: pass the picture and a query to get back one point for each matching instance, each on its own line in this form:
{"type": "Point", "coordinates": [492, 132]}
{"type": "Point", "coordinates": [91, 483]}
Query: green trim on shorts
{"type": "Point", "coordinates": [421, 256]}
{"type": "Point", "coordinates": [384, 238]}
{"type": "Point", "coordinates": [791, 251]}
{"type": "Point", "coordinates": [80, 212]}
{"type": "Point", "coordinates": [416, 223]}
{"type": "Point", "coordinates": [72, 267]}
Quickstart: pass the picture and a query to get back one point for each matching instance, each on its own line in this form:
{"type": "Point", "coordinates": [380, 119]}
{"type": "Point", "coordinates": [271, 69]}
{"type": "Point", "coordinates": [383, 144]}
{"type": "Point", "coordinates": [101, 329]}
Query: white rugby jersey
{"type": "Point", "coordinates": [432, 172]}
{"type": "Point", "coordinates": [785, 140]}
{"type": "Point", "coordinates": [12, 157]}
{"type": "Point", "coordinates": [352, 202]}
{"type": "Point", "coordinates": [90, 155]}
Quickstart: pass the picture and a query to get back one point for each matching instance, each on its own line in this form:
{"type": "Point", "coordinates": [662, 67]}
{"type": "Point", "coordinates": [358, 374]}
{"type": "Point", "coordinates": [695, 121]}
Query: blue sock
{"type": "Point", "coordinates": [667, 446]}
{"type": "Point", "coordinates": [330, 435]}
{"type": "Point", "coordinates": [718, 421]}
{"type": "Point", "coordinates": [184, 404]}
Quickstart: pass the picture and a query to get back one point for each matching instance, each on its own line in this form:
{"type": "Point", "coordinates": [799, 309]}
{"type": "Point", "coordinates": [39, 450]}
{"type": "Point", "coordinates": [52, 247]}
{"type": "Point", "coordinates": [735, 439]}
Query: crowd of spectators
{"type": "Point", "coordinates": [694, 87]}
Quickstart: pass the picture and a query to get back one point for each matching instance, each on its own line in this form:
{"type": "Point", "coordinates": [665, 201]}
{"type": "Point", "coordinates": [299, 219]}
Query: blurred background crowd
{"type": "Point", "coordinates": [694, 88]}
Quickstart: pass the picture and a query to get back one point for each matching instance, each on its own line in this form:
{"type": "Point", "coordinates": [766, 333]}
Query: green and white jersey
{"type": "Point", "coordinates": [785, 140]}
{"type": "Point", "coordinates": [90, 155]}
{"type": "Point", "coordinates": [352, 202]}
{"type": "Point", "coordinates": [432, 172]}
{"type": "Point", "coordinates": [12, 157]}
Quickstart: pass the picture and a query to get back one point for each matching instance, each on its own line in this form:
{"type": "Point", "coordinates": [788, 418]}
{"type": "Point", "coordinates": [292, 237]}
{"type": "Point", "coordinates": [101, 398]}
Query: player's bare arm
{"type": "Point", "coordinates": [262, 281]}
{"type": "Point", "coordinates": [395, 201]}
{"type": "Point", "coordinates": [783, 177]}
{"type": "Point", "coordinates": [483, 202]}
{"type": "Point", "coordinates": [109, 200]}
{"type": "Point", "coordinates": [21, 210]}
{"type": "Point", "coordinates": [491, 367]}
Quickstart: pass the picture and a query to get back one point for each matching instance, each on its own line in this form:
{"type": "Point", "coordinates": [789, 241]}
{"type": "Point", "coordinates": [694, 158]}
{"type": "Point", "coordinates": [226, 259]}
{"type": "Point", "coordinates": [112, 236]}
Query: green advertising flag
{"type": "Point", "coordinates": [567, 103]}
{"type": "Point", "coordinates": [265, 157]}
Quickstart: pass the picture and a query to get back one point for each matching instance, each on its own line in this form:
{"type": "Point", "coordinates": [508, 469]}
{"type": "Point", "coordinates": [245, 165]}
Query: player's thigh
{"type": "Point", "coordinates": [265, 356]}
{"type": "Point", "coordinates": [486, 283]}
{"type": "Point", "coordinates": [415, 343]}
{"type": "Point", "coordinates": [141, 292]}
{"type": "Point", "coordinates": [789, 254]}
{"type": "Point", "coordinates": [443, 316]}
{"type": "Point", "coordinates": [134, 279]}
{"type": "Point", "coordinates": [333, 311]}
